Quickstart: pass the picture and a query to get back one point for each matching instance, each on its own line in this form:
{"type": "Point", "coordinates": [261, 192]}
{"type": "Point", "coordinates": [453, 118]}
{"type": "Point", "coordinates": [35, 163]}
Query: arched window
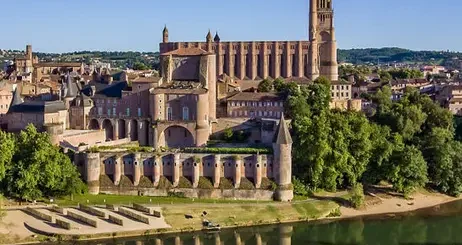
{"type": "Point", "coordinates": [185, 113]}
{"type": "Point", "coordinates": [169, 114]}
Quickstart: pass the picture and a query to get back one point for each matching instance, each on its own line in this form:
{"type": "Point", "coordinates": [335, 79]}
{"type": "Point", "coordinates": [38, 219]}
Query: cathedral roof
{"type": "Point", "coordinates": [283, 134]}
{"type": "Point", "coordinates": [187, 52]}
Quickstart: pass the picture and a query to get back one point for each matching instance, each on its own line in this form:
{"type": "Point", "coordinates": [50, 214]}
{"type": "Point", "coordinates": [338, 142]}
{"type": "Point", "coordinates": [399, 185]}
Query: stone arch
{"type": "Point", "coordinates": [94, 125]}
{"type": "Point", "coordinates": [177, 137]}
{"type": "Point", "coordinates": [122, 129]}
{"type": "Point", "coordinates": [133, 130]}
{"type": "Point", "coordinates": [109, 129]}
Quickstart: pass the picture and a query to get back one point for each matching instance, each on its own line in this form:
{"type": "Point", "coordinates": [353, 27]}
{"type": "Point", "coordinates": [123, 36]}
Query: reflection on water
{"type": "Point", "coordinates": [440, 225]}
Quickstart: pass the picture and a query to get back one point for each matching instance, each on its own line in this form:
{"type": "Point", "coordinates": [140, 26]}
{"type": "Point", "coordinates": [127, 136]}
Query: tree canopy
{"type": "Point", "coordinates": [408, 143]}
{"type": "Point", "coordinates": [32, 168]}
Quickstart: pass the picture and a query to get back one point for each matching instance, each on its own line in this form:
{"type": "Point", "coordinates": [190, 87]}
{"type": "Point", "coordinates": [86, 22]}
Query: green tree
{"type": "Point", "coordinates": [407, 169]}
{"type": "Point", "coordinates": [7, 146]}
{"type": "Point", "coordinates": [140, 66]}
{"type": "Point", "coordinates": [265, 86]}
{"type": "Point", "coordinates": [39, 169]}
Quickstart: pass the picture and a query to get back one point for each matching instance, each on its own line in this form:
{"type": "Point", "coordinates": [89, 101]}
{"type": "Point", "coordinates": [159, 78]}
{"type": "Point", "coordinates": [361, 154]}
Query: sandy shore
{"type": "Point", "coordinates": [389, 204]}
{"type": "Point", "coordinates": [383, 204]}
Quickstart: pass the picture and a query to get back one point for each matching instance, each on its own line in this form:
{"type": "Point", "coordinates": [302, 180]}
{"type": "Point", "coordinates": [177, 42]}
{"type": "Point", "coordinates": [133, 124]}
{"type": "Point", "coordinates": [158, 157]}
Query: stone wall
{"type": "Point", "coordinates": [243, 176]}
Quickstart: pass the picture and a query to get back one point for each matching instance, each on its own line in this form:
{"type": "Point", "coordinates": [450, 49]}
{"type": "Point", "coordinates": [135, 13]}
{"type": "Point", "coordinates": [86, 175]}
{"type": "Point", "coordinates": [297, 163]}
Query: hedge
{"type": "Point", "coordinates": [229, 150]}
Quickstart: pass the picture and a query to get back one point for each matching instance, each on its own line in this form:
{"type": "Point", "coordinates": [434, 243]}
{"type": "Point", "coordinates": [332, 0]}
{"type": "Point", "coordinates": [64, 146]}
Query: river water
{"type": "Point", "coordinates": [437, 225]}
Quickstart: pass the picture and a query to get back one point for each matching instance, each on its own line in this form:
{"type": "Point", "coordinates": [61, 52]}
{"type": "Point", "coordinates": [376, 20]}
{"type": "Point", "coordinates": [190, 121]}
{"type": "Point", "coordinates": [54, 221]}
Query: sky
{"type": "Point", "coordinates": [121, 25]}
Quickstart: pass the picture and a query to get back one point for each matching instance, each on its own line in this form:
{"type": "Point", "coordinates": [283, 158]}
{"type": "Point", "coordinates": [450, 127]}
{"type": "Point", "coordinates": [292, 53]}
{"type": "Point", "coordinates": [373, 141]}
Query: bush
{"type": "Point", "coordinates": [246, 184]}
{"type": "Point", "coordinates": [357, 196]}
{"type": "Point", "coordinates": [300, 189]}
{"type": "Point", "coordinates": [228, 134]}
{"type": "Point", "coordinates": [204, 183]}
{"type": "Point", "coordinates": [267, 184]}
{"type": "Point", "coordinates": [335, 213]}
{"type": "Point", "coordinates": [229, 150]}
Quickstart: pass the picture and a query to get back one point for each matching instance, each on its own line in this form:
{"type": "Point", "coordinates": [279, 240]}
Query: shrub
{"type": "Point", "coordinates": [228, 134]}
{"type": "Point", "coordinates": [204, 183]}
{"type": "Point", "coordinates": [300, 188]}
{"type": "Point", "coordinates": [176, 194]}
{"type": "Point", "coordinates": [246, 184]}
{"type": "Point", "coordinates": [223, 150]}
{"type": "Point", "coordinates": [335, 213]}
{"type": "Point", "coordinates": [226, 184]}
{"type": "Point", "coordinates": [184, 183]}
{"type": "Point", "coordinates": [357, 196]}
{"type": "Point", "coordinates": [267, 184]}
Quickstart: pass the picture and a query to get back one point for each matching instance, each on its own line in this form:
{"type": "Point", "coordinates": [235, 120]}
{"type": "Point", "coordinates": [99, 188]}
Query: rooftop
{"type": "Point", "coordinates": [248, 96]}
{"type": "Point", "coordinates": [187, 52]}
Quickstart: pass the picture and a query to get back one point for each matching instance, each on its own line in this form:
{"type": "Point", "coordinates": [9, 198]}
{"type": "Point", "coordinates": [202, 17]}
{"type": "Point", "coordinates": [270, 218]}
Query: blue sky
{"type": "Point", "coordinates": [70, 25]}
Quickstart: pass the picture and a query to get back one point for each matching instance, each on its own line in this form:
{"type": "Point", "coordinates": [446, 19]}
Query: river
{"type": "Point", "coordinates": [437, 225]}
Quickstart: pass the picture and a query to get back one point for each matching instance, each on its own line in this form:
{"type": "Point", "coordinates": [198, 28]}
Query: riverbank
{"type": "Point", "coordinates": [393, 204]}
{"type": "Point", "coordinates": [187, 217]}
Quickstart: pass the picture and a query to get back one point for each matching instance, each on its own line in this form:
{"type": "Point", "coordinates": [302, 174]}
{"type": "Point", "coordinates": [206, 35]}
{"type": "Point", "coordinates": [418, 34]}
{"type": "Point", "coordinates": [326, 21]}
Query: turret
{"type": "Point", "coordinates": [208, 38]}
{"type": "Point", "coordinates": [165, 34]}
{"type": "Point", "coordinates": [29, 52]}
{"type": "Point", "coordinates": [282, 147]}
{"type": "Point", "coordinates": [216, 38]}
{"type": "Point", "coordinates": [16, 99]}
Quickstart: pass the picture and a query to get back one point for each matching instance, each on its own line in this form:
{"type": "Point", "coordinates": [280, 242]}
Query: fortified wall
{"type": "Point", "coordinates": [239, 176]}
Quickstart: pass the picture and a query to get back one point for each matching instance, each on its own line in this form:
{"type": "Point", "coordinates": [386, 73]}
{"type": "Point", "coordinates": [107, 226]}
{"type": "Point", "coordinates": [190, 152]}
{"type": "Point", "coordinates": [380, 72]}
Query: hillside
{"type": "Point", "coordinates": [398, 55]}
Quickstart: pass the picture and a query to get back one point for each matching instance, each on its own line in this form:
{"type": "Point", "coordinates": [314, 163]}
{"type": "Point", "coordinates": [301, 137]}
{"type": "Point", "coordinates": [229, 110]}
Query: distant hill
{"type": "Point", "coordinates": [398, 55]}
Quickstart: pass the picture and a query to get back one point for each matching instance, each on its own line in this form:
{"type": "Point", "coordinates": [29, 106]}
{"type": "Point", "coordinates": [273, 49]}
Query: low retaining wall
{"type": "Point", "coordinates": [112, 207]}
{"type": "Point", "coordinates": [156, 214]}
{"type": "Point", "coordinates": [63, 224]}
{"type": "Point", "coordinates": [40, 215]}
{"type": "Point", "coordinates": [262, 195]}
{"type": "Point", "coordinates": [59, 210]}
{"type": "Point", "coordinates": [133, 215]}
{"type": "Point", "coordinates": [93, 211]}
{"type": "Point", "coordinates": [142, 208]}
{"type": "Point", "coordinates": [83, 219]}
{"type": "Point", "coordinates": [116, 220]}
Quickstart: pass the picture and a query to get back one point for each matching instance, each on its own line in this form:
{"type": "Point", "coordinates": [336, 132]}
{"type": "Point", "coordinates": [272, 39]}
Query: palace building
{"type": "Point", "coordinates": [256, 60]}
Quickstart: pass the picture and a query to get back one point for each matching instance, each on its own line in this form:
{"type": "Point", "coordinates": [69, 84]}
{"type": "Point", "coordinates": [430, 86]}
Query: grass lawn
{"type": "Point", "coordinates": [245, 214]}
{"type": "Point", "coordinates": [116, 199]}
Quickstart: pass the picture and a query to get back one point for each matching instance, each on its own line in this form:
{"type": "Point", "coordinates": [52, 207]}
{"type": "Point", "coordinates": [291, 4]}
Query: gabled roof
{"type": "Point", "coordinates": [16, 100]}
{"type": "Point", "coordinates": [283, 135]}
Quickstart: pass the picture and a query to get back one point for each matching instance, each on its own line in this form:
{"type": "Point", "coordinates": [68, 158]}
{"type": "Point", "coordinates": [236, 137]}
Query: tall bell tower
{"type": "Point", "coordinates": [323, 45]}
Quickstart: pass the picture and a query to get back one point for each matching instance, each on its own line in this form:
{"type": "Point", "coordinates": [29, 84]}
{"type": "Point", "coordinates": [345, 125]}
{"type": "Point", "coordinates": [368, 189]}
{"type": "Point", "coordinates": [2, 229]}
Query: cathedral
{"type": "Point", "coordinates": [256, 60]}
